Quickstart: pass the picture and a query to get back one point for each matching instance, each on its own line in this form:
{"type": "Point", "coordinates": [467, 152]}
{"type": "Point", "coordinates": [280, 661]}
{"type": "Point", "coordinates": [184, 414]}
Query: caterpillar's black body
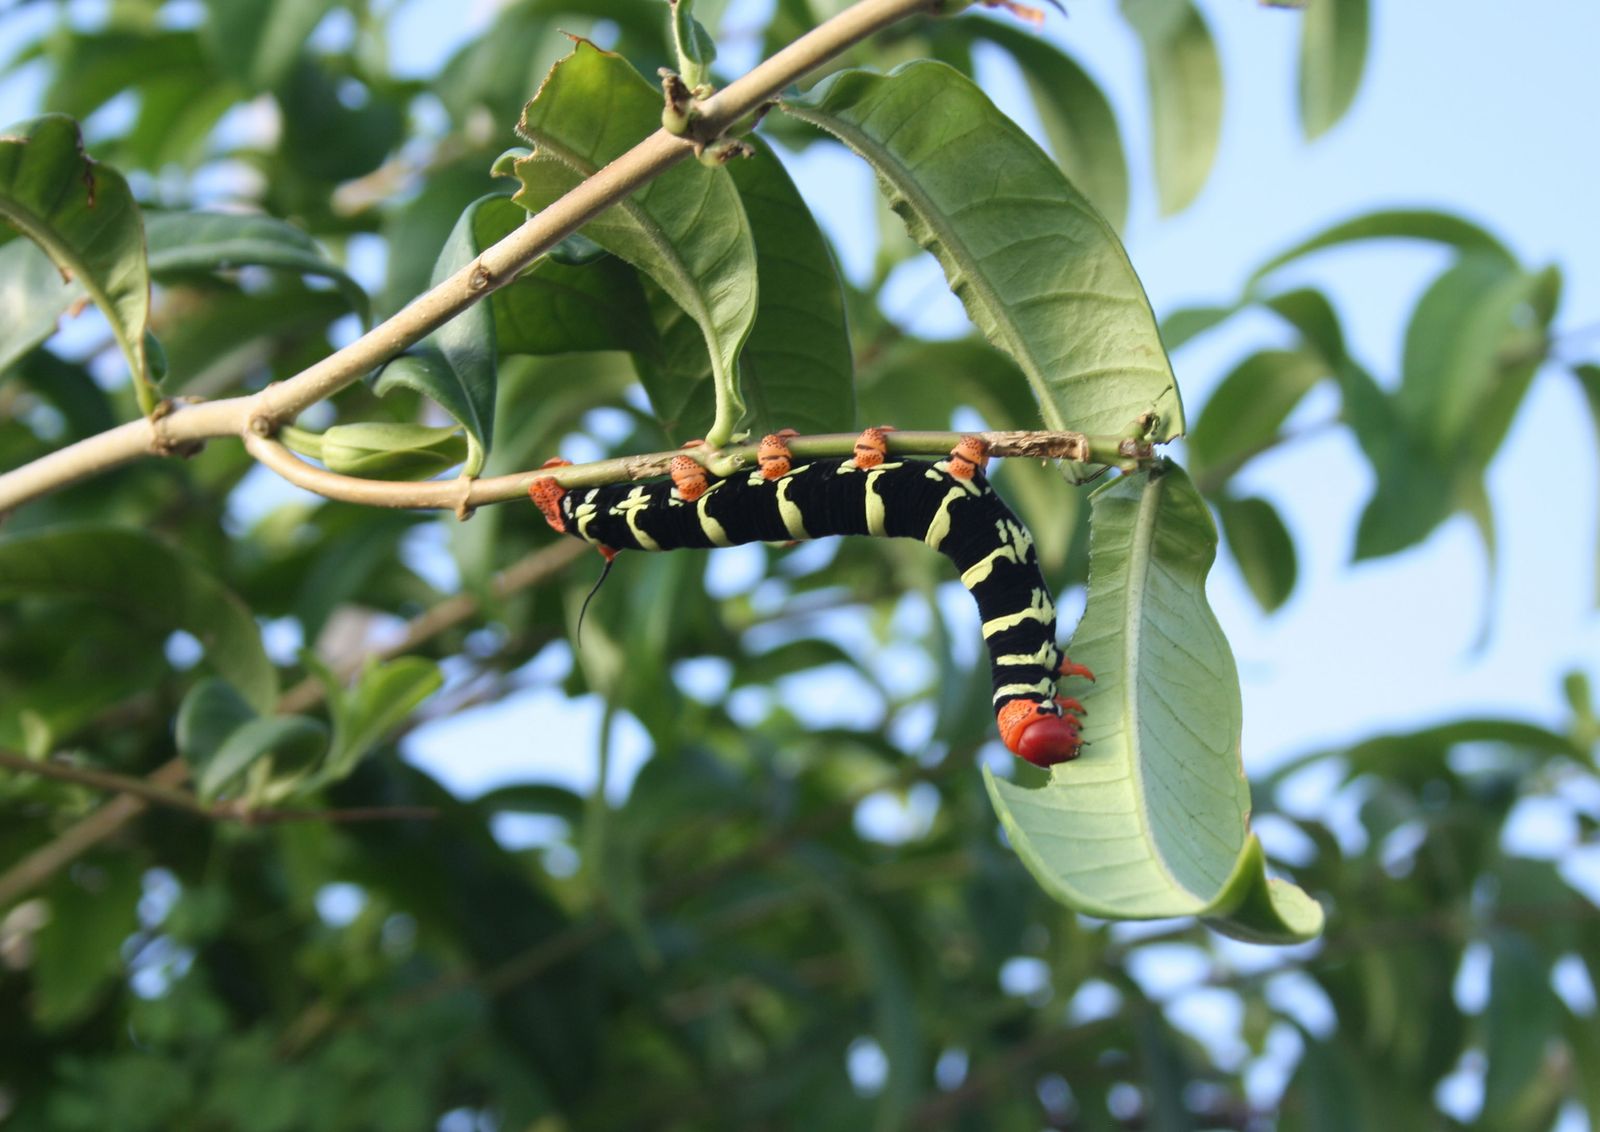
{"type": "Point", "coordinates": [958, 515]}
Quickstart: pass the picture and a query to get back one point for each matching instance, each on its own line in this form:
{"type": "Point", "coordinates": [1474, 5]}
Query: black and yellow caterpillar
{"type": "Point", "coordinates": [949, 505]}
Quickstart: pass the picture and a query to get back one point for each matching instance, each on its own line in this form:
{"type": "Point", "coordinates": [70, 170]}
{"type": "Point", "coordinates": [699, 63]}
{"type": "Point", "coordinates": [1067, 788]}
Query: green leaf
{"type": "Point", "coordinates": [1588, 376]}
{"type": "Point", "coordinates": [1153, 819]}
{"type": "Point", "coordinates": [385, 694]}
{"type": "Point", "coordinates": [1261, 546]}
{"type": "Point", "coordinates": [135, 573]}
{"type": "Point", "coordinates": [1179, 326]}
{"type": "Point", "coordinates": [1394, 224]}
{"type": "Point", "coordinates": [796, 369]}
{"type": "Point", "coordinates": [686, 229]}
{"type": "Point", "coordinates": [256, 43]}
{"type": "Point", "coordinates": [566, 303]}
{"type": "Point", "coordinates": [1243, 416]}
{"type": "Point", "coordinates": [692, 44]}
{"type": "Point", "coordinates": [34, 296]}
{"type": "Point", "coordinates": [383, 451]}
{"type": "Point", "coordinates": [1039, 271]}
{"type": "Point", "coordinates": [1076, 115]}
{"type": "Point", "coordinates": [93, 909]}
{"type": "Point", "coordinates": [1184, 77]}
{"type": "Point", "coordinates": [82, 214]}
{"type": "Point", "coordinates": [211, 712]}
{"type": "Point", "coordinates": [331, 138]}
{"type": "Point", "coordinates": [456, 364]}
{"type": "Point", "coordinates": [293, 740]}
{"type": "Point", "coordinates": [1333, 54]}
{"type": "Point", "coordinates": [1522, 1016]}
{"type": "Point", "coordinates": [183, 242]}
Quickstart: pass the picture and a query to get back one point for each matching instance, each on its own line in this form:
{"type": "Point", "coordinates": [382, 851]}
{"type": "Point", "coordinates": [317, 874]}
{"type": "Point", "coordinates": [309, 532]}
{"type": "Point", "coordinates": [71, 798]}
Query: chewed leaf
{"type": "Point", "coordinates": [685, 230]}
{"type": "Point", "coordinates": [1153, 819]}
{"type": "Point", "coordinates": [82, 214]}
{"type": "Point", "coordinates": [1039, 270]}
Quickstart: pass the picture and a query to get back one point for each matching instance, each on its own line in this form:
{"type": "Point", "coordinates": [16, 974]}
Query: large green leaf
{"type": "Point", "coordinates": [456, 364]}
{"type": "Point", "coordinates": [133, 572]}
{"type": "Point", "coordinates": [1184, 77]}
{"type": "Point", "coordinates": [1040, 272]}
{"type": "Point", "coordinates": [82, 214]}
{"type": "Point", "coordinates": [686, 230]}
{"type": "Point", "coordinates": [1333, 53]}
{"type": "Point", "coordinates": [182, 242]}
{"type": "Point", "coordinates": [1076, 115]}
{"type": "Point", "coordinates": [1153, 819]}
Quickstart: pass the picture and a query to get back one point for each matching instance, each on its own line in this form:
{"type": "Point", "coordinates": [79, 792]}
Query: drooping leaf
{"type": "Point", "coordinates": [1333, 54]}
{"type": "Point", "coordinates": [1039, 271]}
{"type": "Point", "coordinates": [1392, 224]}
{"type": "Point", "coordinates": [181, 242]}
{"type": "Point", "coordinates": [1076, 115]}
{"type": "Point", "coordinates": [1184, 78]}
{"type": "Point", "coordinates": [1246, 411]}
{"type": "Point", "coordinates": [1261, 546]}
{"type": "Point", "coordinates": [456, 364]}
{"type": "Point", "coordinates": [134, 572]}
{"type": "Point", "coordinates": [257, 44]}
{"type": "Point", "coordinates": [1153, 819]}
{"type": "Point", "coordinates": [82, 214]}
{"type": "Point", "coordinates": [686, 230]}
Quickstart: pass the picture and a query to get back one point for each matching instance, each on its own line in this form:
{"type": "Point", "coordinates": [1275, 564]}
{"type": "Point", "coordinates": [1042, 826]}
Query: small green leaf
{"type": "Point", "coordinates": [1522, 1016]}
{"type": "Point", "coordinates": [182, 242]}
{"type": "Point", "coordinates": [133, 572]}
{"type": "Point", "coordinates": [211, 712]}
{"type": "Point", "coordinates": [1184, 77]}
{"type": "Point", "coordinates": [1179, 326]}
{"type": "Point", "coordinates": [384, 696]}
{"type": "Point", "coordinates": [381, 451]}
{"type": "Point", "coordinates": [1244, 414]}
{"type": "Point", "coordinates": [1153, 819]}
{"type": "Point", "coordinates": [686, 230]}
{"type": "Point", "coordinates": [1039, 271]}
{"type": "Point", "coordinates": [82, 214]}
{"type": "Point", "coordinates": [93, 908]}
{"type": "Point", "coordinates": [1588, 376]}
{"type": "Point", "coordinates": [257, 44]}
{"type": "Point", "coordinates": [1396, 224]}
{"type": "Point", "coordinates": [291, 740]}
{"type": "Point", "coordinates": [1077, 117]}
{"type": "Point", "coordinates": [692, 44]}
{"type": "Point", "coordinates": [1261, 546]}
{"type": "Point", "coordinates": [1333, 54]}
{"type": "Point", "coordinates": [456, 364]}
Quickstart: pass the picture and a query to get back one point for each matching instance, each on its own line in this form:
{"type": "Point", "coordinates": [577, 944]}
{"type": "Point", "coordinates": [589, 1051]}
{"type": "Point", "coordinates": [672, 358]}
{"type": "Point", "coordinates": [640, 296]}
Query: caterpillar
{"type": "Point", "coordinates": [949, 505]}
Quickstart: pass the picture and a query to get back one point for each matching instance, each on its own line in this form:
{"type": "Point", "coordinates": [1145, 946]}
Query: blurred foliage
{"type": "Point", "coordinates": [782, 924]}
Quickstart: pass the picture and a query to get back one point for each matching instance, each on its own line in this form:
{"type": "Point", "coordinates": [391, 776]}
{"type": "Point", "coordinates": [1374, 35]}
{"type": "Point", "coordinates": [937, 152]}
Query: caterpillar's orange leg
{"type": "Point", "coordinates": [1068, 668]}
{"type": "Point", "coordinates": [773, 455]}
{"type": "Point", "coordinates": [547, 494]}
{"type": "Point", "coordinates": [1043, 734]}
{"type": "Point", "coordinates": [688, 478]}
{"type": "Point", "coordinates": [970, 454]}
{"type": "Point", "coordinates": [872, 446]}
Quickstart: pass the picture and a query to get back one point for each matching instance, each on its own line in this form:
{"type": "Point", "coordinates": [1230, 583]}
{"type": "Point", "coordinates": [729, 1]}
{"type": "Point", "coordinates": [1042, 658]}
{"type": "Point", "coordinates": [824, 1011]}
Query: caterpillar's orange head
{"type": "Point", "coordinates": [1040, 733]}
{"type": "Point", "coordinates": [547, 493]}
{"type": "Point", "coordinates": [871, 447]}
{"type": "Point", "coordinates": [688, 477]}
{"type": "Point", "coordinates": [969, 455]}
{"type": "Point", "coordinates": [773, 455]}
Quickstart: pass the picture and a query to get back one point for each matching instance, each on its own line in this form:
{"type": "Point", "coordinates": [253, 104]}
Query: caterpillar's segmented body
{"type": "Point", "coordinates": [948, 504]}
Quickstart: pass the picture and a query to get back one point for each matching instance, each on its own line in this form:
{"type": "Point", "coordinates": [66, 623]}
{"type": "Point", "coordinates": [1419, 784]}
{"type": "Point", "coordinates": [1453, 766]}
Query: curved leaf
{"type": "Point", "coordinates": [1261, 546]}
{"type": "Point", "coordinates": [456, 364]}
{"type": "Point", "coordinates": [1184, 76]}
{"type": "Point", "coordinates": [1077, 116]}
{"type": "Point", "coordinates": [292, 738]}
{"type": "Point", "coordinates": [1040, 272]}
{"type": "Point", "coordinates": [1248, 408]}
{"type": "Point", "coordinates": [1153, 819]}
{"type": "Point", "coordinates": [686, 229]}
{"type": "Point", "coordinates": [1392, 224]}
{"type": "Point", "coordinates": [1333, 54]}
{"type": "Point", "coordinates": [82, 214]}
{"type": "Point", "coordinates": [133, 572]}
{"type": "Point", "coordinates": [210, 241]}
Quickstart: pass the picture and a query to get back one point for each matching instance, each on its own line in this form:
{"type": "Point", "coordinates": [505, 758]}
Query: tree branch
{"type": "Point", "coordinates": [261, 413]}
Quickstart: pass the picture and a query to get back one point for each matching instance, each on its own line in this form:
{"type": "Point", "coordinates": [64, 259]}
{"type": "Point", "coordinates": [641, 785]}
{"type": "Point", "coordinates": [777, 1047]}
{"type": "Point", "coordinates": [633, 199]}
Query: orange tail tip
{"type": "Point", "coordinates": [970, 454]}
{"type": "Point", "coordinates": [773, 455]}
{"type": "Point", "coordinates": [1031, 731]}
{"type": "Point", "coordinates": [689, 478]}
{"type": "Point", "coordinates": [547, 494]}
{"type": "Point", "coordinates": [871, 447]}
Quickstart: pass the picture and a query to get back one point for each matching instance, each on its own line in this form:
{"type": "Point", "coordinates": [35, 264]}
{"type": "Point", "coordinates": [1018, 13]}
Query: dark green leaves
{"type": "Point", "coordinates": [1039, 271]}
{"type": "Point", "coordinates": [1333, 54]}
{"type": "Point", "coordinates": [1184, 77]}
{"type": "Point", "coordinates": [82, 214]}
{"type": "Point", "coordinates": [1153, 819]}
